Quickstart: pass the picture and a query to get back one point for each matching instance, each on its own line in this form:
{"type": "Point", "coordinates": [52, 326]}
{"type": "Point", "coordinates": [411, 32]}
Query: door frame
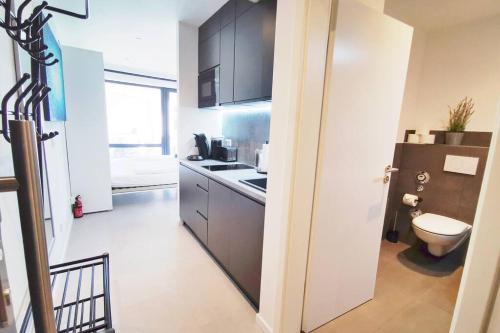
{"type": "Point", "coordinates": [302, 30]}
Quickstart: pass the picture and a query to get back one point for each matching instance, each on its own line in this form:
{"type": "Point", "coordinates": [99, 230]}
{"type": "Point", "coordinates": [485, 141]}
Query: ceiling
{"type": "Point", "coordinates": [435, 14]}
{"type": "Point", "coordinates": [136, 36]}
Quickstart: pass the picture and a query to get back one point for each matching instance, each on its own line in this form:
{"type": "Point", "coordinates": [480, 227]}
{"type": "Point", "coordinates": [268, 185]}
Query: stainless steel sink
{"type": "Point", "coordinates": [258, 183]}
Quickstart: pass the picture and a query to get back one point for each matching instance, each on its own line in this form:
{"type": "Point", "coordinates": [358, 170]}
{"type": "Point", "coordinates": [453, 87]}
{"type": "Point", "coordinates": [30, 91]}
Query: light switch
{"type": "Point", "coordinates": [461, 164]}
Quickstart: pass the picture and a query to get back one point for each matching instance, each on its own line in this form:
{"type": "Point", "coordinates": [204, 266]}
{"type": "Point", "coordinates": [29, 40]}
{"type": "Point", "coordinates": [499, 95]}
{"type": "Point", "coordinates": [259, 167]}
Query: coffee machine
{"type": "Point", "coordinates": [221, 150]}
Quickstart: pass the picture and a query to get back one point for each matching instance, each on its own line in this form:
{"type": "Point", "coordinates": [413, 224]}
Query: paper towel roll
{"type": "Point", "coordinates": [411, 200]}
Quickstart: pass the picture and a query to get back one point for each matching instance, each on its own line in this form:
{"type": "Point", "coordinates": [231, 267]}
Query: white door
{"type": "Point", "coordinates": [363, 97]}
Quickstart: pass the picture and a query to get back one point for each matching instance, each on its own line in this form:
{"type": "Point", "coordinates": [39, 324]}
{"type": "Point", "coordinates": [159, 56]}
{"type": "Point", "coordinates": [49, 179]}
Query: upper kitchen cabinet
{"type": "Point", "coordinates": [227, 13]}
{"type": "Point", "coordinates": [254, 52]}
{"type": "Point", "coordinates": [209, 43]}
{"type": "Point", "coordinates": [209, 28]}
{"type": "Point", "coordinates": [239, 38]}
{"type": "Point", "coordinates": [242, 6]}
{"type": "Point", "coordinates": [226, 80]}
{"type": "Point", "coordinates": [209, 53]}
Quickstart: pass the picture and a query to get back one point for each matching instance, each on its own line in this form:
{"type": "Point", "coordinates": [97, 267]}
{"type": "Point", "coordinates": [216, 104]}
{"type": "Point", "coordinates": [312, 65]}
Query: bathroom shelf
{"type": "Point", "coordinates": [81, 291]}
{"type": "Point", "coordinates": [443, 145]}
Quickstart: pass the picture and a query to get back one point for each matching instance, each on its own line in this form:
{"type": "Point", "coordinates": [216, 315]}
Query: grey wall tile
{"type": "Point", "coordinates": [248, 130]}
{"type": "Point", "coordinates": [450, 194]}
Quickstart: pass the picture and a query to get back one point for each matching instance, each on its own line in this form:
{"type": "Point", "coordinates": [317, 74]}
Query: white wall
{"type": "Point", "coordinates": [87, 128]}
{"type": "Point", "coordinates": [494, 325]}
{"type": "Point", "coordinates": [409, 114]}
{"type": "Point", "coordinates": [190, 119]}
{"type": "Point", "coordinates": [378, 5]}
{"type": "Point", "coordinates": [59, 188]}
{"type": "Point", "coordinates": [447, 65]}
{"type": "Point", "coordinates": [478, 287]}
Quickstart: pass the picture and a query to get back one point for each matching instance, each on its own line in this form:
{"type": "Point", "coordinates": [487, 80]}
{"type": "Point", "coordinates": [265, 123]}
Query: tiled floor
{"type": "Point", "coordinates": [161, 279]}
{"type": "Point", "coordinates": [414, 293]}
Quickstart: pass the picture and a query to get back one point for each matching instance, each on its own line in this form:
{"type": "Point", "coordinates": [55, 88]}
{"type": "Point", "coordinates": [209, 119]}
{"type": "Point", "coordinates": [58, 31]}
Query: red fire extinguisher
{"type": "Point", "coordinates": [78, 207]}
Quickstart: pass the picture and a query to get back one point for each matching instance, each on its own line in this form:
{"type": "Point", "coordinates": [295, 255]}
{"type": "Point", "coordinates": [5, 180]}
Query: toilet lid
{"type": "Point", "coordinates": [441, 225]}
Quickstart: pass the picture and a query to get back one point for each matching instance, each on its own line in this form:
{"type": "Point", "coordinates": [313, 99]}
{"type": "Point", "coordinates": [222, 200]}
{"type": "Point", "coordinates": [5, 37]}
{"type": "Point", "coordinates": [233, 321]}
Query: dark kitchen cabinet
{"type": "Point", "coordinates": [226, 64]}
{"type": "Point", "coordinates": [254, 52]}
{"type": "Point", "coordinates": [240, 38]}
{"type": "Point", "coordinates": [229, 224]}
{"type": "Point", "coordinates": [242, 6]}
{"type": "Point", "coordinates": [245, 253]}
{"type": "Point", "coordinates": [193, 203]}
{"type": "Point", "coordinates": [219, 210]}
{"type": "Point", "coordinates": [235, 236]}
{"type": "Point", "coordinates": [209, 53]}
{"type": "Point", "coordinates": [209, 28]}
{"type": "Point", "coordinates": [227, 13]}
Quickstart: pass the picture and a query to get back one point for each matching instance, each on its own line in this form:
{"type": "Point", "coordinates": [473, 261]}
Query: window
{"type": "Point", "coordinates": [139, 121]}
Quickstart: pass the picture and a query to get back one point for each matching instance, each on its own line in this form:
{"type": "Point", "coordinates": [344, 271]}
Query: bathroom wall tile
{"type": "Point", "coordinates": [450, 194]}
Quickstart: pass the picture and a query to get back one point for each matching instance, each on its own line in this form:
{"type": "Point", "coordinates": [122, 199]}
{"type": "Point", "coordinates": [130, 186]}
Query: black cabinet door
{"type": "Point", "coordinates": [209, 28]}
{"type": "Point", "coordinates": [226, 64]}
{"type": "Point", "coordinates": [219, 210]}
{"type": "Point", "coordinates": [193, 201]}
{"type": "Point", "coordinates": [247, 230]}
{"type": "Point", "coordinates": [242, 6]}
{"type": "Point", "coordinates": [227, 13]}
{"type": "Point", "coordinates": [254, 52]}
{"type": "Point", "coordinates": [209, 53]}
{"type": "Point", "coordinates": [235, 236]}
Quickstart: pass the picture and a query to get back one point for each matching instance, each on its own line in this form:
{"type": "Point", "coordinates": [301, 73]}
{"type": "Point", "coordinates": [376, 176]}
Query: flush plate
{"type": "Point", "coordinates": [461, 164]}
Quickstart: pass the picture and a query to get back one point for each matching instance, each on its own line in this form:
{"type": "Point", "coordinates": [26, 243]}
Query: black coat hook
{"type": "Point", "coordinates": [9, 17]}
{"type": "Point", "coordinates": [20, 98]}
{"type": "Point", "coordinates": [21, 8]}
{"type": "Point", "coordinates": [5, 101]}
{"type": "Point", "coordinates": [36, 92]}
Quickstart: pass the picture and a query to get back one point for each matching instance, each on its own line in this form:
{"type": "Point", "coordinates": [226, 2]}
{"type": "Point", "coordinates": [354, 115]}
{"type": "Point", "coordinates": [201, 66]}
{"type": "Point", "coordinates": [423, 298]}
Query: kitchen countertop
{"type": "Point", "coordinates": [230, 178]}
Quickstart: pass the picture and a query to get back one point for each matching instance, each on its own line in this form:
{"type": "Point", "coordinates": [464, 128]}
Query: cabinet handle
{"type": "Point", "coordinates": [199, 186]}
{"type": "Point", "coordinates": [205, 218]}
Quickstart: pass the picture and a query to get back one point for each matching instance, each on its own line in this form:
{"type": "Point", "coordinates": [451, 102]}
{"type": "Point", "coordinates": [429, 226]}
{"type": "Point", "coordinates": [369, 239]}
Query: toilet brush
{"type": "Point", "coordinates": [393, 235]}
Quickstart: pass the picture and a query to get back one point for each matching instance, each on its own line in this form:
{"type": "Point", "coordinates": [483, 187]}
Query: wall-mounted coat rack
{"type": "Point", "coordinates": [26, 135]}
{"type": "Point", "coordinates": [27, 32]}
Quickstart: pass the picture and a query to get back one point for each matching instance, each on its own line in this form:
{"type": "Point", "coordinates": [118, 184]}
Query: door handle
{"type": "Point", "coordinates": [390, 169]}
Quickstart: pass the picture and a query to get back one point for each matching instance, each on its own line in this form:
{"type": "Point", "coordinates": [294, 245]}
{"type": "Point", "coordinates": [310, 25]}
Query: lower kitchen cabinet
{"type": "Point", "coordinates": [193, 191]}
{"type": "Point", "coordinates": [229, 224]}
{"type": "Point", "coordinates": [220, 212]}
{"type": "Point", "coordinates": [235, 236]}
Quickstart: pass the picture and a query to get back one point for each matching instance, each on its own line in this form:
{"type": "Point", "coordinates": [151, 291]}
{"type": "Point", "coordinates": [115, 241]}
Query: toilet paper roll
{"type": "Point", "coordinates": [410, 200]}
{"type": "Point", "coordinates": [413, 138]}
{"type": "Point", "coordinates": [429, 139]}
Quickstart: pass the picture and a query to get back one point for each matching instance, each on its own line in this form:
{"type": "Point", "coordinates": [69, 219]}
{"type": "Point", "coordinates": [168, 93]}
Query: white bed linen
{"type": "Point", "coordinates": [144, 171]}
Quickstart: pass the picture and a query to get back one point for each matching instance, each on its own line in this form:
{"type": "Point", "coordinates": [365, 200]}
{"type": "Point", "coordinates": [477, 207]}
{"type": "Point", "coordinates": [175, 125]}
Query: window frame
{"type": "Point", "coordinates": [165, 115]}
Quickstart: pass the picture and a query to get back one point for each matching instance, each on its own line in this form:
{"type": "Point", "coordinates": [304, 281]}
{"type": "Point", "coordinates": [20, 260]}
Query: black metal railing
{"type": "Point", "coordinates": [81, 290]}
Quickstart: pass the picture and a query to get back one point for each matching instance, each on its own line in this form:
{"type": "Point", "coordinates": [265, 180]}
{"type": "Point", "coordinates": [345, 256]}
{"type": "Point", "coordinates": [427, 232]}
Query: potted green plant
{"type": "Point", "coordinates": [459, 118]}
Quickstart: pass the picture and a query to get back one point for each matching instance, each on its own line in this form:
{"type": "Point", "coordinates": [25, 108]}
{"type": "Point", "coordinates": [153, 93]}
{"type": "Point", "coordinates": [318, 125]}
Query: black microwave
{"type": "Point", "coordinates": [208, 88]}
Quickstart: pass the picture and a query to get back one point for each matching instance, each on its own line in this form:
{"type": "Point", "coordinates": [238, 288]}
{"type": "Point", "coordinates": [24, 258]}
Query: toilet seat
{"type": "Point", "coordinates": [440, 225]}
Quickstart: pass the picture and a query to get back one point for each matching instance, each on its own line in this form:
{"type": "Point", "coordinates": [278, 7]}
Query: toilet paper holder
{"type": "Point", "coordinates": [411, 200]}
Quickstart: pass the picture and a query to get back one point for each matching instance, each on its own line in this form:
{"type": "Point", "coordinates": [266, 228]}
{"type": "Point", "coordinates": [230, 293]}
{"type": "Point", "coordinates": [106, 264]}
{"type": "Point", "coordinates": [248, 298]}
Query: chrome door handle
{"type": "Point", "coordinates": [390, 169]}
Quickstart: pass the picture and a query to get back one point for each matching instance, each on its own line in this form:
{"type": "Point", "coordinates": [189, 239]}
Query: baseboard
{"type": "Point", "coordinates": [263, 324]}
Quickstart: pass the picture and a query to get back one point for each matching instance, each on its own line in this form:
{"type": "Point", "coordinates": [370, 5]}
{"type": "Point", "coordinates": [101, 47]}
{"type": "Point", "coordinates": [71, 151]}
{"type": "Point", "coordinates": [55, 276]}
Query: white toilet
{"type": "Point", "coordinates": [442, 234]}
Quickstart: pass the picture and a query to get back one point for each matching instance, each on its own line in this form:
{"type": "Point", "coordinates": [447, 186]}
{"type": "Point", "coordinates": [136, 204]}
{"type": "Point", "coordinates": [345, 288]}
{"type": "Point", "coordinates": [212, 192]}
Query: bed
{"type": "Point", "coordinates": [139, 173]}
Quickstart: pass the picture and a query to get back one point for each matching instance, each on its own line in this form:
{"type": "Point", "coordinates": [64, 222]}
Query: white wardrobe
{"type": "Point", "coordinates": [87, 128]}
